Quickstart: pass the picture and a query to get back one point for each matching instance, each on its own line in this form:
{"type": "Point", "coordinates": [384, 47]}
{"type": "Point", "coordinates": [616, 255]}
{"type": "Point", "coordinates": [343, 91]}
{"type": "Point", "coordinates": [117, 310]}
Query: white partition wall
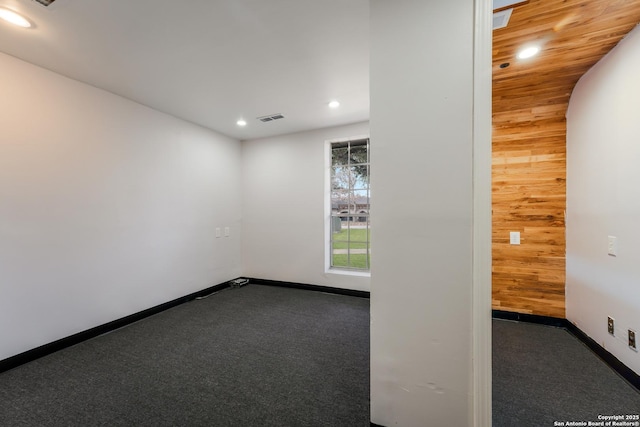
{"type": "Point", "coordinates": [107, 207]}
{"type": "Point", "coordinates": [603, 199]}
{"type": "Point", "coordinates": [422, 279]}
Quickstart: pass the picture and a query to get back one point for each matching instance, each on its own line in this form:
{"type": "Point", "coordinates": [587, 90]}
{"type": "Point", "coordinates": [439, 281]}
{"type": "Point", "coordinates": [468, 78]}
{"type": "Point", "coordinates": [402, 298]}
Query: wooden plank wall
{"type": "Point", "coordinates": [530, 99]}
{"type": "Point", "coordinates": [529, 193]}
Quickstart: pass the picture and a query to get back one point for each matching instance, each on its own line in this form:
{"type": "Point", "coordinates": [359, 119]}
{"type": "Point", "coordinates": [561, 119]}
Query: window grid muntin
{"type": "Point", "coordinates": [353, 186]}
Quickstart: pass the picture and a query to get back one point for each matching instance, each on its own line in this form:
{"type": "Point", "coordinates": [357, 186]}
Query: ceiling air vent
{"type": "Point", "coordinates": [45, 2]}
{"type": "Point", "coordinates": [271, 117]}
{"type": "Point", "coordinates": [501, 19]}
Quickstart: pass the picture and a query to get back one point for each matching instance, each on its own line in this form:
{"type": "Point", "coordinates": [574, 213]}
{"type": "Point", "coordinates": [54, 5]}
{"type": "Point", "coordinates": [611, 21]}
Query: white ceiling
{"type": "Point", "coordinates": [210, 62]}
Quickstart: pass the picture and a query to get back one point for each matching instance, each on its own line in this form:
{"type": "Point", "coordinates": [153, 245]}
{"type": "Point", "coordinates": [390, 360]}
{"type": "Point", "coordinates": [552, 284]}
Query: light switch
{"type": "Point", "coordinates": [218, 234]}
{"type": "Point", "coordinates": [613, 246]}
{"type": "Point", "coordinates": [514, 237]}
{"type": "Point", "coordinates": [227, 231]}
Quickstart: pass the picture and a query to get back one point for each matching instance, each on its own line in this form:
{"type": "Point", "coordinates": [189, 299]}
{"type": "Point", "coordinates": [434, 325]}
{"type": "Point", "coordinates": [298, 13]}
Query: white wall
{"type": "Point", "coordinates": [107, 207]}
{"type": "Point", "coordinates": [283, 210]}
{"type": "Point", "coordinates": [603, 199]}
{"type": "Point", "coordinates": [422, 164]}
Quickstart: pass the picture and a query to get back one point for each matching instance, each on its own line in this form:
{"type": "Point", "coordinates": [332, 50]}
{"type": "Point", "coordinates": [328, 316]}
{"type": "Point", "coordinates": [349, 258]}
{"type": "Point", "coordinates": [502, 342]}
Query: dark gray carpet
{"type": "Point", "coordinates": [269, 356]}
{"type": "Point", "coordinates": [254, 356]}
{"type": "Point", "coordinates": [543, 374]}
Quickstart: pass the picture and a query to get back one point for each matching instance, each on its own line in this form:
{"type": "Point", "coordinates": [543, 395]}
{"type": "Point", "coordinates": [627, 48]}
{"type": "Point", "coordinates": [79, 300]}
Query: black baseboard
{"type": "Point", "coordinates": [43, 350]}
{"type": "Point", "coordinates": [530, 318]}
{"type": "Point", "coordinates": [375, 425]}
{"type": "Point", "coordinates": [62, 343]}
{"type": "Point", "coordinates": [623, 370]}
{"type": "Point", "coordinates": [613, 362]}
{"type": "Point", "coordinates": [327, 289]}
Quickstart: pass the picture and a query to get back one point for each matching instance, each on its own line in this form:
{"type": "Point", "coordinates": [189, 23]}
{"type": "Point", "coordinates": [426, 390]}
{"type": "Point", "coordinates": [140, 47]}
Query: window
{"type": "Point", "coordinates": [350, 200]}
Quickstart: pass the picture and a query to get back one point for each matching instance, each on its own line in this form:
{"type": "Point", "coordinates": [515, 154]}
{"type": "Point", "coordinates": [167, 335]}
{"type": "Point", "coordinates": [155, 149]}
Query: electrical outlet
{"type": "Point", "coordinates": [632, 340]}
{"type": "Point", "coordinates": [610, 326]}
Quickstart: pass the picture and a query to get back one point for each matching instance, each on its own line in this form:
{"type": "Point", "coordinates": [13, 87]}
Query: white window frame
{"type": "Point", "coordinates": [328, 210]}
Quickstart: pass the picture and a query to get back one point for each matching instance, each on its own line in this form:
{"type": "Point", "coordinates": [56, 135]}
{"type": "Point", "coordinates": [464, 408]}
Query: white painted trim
{"type": "Point", "coordinates": [327, 208]}
{"type": "Point", "coordinates": [352, 138]}
{"type": "Point", "coordinates": [481, 306]}
{"type": "Point", "coordinates": [345, 272]}
{"type": "Point", "coordinates": [327, 205]}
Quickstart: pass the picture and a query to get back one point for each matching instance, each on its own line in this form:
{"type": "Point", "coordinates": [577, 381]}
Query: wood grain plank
{"type": "Point", "coordinates": [530, 100]}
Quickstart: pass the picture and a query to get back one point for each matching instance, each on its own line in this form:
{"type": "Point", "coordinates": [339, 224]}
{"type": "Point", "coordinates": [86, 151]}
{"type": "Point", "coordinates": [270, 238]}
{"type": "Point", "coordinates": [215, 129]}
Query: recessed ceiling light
{"type": "Point", "coordinates": [14, 18]}
{"type": "Point", "coordinates": [528, 52]}
{"type": "Point", "coordinates": [241, 122]}
{"type": "Point", "coordinates": [334, 104]}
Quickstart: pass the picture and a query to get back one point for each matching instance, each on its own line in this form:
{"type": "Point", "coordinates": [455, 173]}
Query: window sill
{"type": "Point", "coordinates": [344, 272]}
